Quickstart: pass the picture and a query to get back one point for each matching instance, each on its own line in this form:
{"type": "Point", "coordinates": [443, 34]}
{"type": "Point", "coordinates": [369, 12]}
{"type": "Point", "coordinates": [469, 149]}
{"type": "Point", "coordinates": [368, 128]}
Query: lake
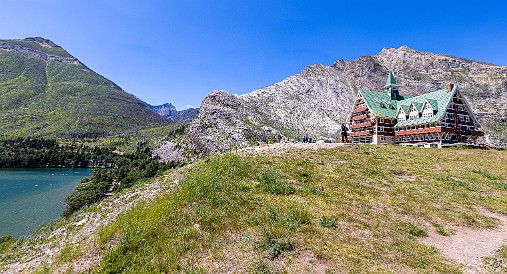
{"type": "Point", "coordinates": [30, 197]}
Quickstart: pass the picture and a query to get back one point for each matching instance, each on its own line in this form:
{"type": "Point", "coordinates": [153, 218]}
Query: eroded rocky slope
{"type": "Point", "coordinates": [320, 98]}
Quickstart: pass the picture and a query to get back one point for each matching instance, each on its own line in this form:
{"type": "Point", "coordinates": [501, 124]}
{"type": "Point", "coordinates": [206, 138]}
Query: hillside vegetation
{"type": "Point", "coordinates": [349, 209]}
{"type": "Point", "coordinates": [47, 92]}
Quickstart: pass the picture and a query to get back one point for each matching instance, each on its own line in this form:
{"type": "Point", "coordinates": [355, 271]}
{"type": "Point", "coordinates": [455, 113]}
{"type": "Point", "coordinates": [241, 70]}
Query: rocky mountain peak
{"type": "Point", "coordinates": [40, 48]}
{"type": "Point", "coordinates": [43, 42]}
{"type": "Point", "coordinates": [164, 109]}
{"type": "Point", "coordinates": [170, 112]}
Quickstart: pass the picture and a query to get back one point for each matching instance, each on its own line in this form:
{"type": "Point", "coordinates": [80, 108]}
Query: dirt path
{"type": "Point", "coordinates": [469, 246]}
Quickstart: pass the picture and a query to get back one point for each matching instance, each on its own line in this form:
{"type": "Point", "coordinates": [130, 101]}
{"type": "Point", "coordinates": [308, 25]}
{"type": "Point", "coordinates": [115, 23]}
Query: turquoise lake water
{"type": "Point", "coordinates": [34, 196]}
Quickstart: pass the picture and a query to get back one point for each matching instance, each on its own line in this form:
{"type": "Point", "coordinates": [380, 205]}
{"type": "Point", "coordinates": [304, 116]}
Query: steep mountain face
{"type": "Point", "coordinates": [166, 109]}
{"type": "Point", "coordinates": [46, 91]}
{"type": "Point", "coordinates": [320, 98]}
{"type": "Point", "coordinates": [170, 112]}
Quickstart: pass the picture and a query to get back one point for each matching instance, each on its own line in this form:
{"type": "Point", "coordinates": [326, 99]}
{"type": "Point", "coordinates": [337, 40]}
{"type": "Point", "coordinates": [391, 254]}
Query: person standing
{"type": "Point", "coordinates": [345, 138]}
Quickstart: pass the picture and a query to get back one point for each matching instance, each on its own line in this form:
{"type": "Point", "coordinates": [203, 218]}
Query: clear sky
{"type": "Point", "coordinates": [180, 50]}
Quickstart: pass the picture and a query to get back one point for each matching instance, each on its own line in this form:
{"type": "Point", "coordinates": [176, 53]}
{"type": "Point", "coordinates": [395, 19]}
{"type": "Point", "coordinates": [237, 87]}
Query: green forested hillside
{"type": "Point", "coordinates": [45, 91]}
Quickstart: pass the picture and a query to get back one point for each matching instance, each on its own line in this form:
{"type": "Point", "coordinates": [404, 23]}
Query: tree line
{"type": "Point", "coordinates": [129, 169]}
{"type": "Point", "coordinates": [41, 152]}
{"type": "Point", "coordinates": [113, 171]}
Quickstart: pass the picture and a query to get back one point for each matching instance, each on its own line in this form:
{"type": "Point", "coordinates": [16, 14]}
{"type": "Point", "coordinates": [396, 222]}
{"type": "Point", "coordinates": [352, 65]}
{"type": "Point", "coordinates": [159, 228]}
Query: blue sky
{"type": "Point", "coordinates": [180, 50]}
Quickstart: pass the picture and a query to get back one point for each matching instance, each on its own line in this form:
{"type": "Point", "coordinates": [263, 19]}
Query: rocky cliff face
{"type": "Point", "coordinates": [170, 112]}
{"type": "Point", "coordinates": [320, 98]}
{"type": "Point", "coordinates": [166, 109]}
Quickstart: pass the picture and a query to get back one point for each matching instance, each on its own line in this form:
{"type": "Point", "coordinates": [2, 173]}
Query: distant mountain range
{"type": "Point", "coordinates": [46, 91]}
{"type": "Point", "coordinates": [169, 112]}
{"type": "Point", "coordinates": [320, 98]}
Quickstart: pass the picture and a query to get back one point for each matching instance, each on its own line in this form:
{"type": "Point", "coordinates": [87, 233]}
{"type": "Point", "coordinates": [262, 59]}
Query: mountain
{"type": "Point", "coordinates": [170, 112]}
{"type": "Point", "coordinates": [320, 98]}
{"type": "Point", "coordinates": [46, 91]}
{"type": "Point", "coordinates": [166, 109]}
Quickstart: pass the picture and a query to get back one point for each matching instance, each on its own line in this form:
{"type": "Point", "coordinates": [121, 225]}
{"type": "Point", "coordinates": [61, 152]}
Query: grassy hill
{"type": "Point", "coordinates": [45, 91]}
{"type": "Point", "coordinates": [349, 209]}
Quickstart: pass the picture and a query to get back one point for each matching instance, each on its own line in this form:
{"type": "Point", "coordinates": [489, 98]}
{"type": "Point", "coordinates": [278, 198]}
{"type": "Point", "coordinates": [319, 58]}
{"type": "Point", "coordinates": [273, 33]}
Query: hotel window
{"type": "Point", "coordinates": [427, 115]}
{"type": "Point", "coordinates": [467, 118]}
{"type": "Point", "coordinates": [381, 129]}
{"type": "Point", "coordinates": [460, 107]}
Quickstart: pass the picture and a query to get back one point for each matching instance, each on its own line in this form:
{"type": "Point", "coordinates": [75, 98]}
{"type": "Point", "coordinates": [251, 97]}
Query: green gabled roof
{"type": "Point", "coordinates": [439, 98]}
{"type": "Point", "coordinates": [404, 107]}
{"type": "Point", "coordinates": [375, 100]}
{"type": "Point", "coordinates": [433, 103]}
{"type": "Point", "coordinates": [418, 105]}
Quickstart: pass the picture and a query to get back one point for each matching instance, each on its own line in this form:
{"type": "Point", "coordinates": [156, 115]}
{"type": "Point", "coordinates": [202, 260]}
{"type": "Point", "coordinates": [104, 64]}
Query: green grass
{"type": "Point", "coordinates": [6, 245]}
{"type": "Point", "coordinates": [359, 209]}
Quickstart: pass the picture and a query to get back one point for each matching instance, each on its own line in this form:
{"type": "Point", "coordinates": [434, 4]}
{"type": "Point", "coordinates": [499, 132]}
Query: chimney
{"type": "Point", "coordinates": [449, 87]}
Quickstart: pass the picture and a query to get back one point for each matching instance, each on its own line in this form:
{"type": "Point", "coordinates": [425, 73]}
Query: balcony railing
{"type": "Point", "coordinates": [360, 117]}
{"type": "Point", "coordinates": [359, 109]}
{"type": "Point", "coordinates": [361, 125]}
{"type": "Point", "coordinates": [361, 133]}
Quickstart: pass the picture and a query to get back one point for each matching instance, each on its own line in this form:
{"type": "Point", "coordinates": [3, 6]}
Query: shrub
{"type": "Point", "coordinates": [275, 246]}
{"type": "Point", "coordinates": [442, 231]}
{"type": "Point", "coordinates": [89, 191]}
{"type": "Point", "coordinates": [270, 182]}
{"type": "Point", "coordinates": [5, 242]}
{"type": "Point", "coordinates": [297, 217]}
{"type": "Point", "coordinates": [413, 230]}
{"type": "Point", "coordinates": [329, 222]}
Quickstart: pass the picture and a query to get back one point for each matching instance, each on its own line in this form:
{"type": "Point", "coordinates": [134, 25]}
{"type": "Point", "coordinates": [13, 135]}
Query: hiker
{"type": "Point", "coordinates": [345, 138]}
{"type": "Point", "coordinates": [305, 138]}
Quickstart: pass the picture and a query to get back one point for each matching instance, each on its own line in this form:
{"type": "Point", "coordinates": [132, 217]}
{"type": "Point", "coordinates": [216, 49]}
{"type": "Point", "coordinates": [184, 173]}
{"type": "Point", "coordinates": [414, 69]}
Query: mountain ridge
{"type": "Point", "coordinates": [48, 92]}
{"type": "Point", "coordinates": [318, 99]}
